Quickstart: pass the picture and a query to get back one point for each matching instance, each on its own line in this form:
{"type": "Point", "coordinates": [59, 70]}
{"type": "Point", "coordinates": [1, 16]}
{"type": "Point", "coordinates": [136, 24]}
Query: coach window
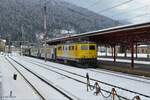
{"type": "Point", "coordinates": [59, 48]}
{"type": "Point", "coordinates": [76, 47]}
{"type": "Point", "coordinates": [69, 47]}
{"type": "Point", "coordinates": [72, 47]}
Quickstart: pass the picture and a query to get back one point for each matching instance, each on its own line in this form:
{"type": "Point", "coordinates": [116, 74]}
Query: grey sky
{"type": "Point", "coordinates": [136, 11]}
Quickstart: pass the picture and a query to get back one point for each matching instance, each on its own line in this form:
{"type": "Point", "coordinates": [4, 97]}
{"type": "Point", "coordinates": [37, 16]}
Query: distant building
{"type": "Point", "coordinates": [141, 49]}
{"type": "Point", "coordinates": [64, 33]}
{"type": "Point", "coordinates": [144, 49]}
{"type": "Point", "coordinates": [68, 31]}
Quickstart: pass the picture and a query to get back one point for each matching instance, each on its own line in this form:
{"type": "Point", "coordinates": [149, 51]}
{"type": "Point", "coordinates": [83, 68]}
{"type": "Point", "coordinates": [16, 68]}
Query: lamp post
{"type": "Point", "coordinates": [9, 42]}
{"type": "Point", "coordinates": [45, 28]}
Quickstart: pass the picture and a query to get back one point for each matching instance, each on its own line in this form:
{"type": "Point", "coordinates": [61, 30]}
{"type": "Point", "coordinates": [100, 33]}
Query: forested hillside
{"type": "Point", "coordinates": [24, 18]}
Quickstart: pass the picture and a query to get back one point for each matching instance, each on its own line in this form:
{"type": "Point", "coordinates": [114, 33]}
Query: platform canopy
{"type": "Point", "coordinates": [139, 33]}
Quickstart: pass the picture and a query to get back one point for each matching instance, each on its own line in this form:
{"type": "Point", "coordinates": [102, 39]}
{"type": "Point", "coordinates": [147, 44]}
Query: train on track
{"type": "Point", "coordinates": [79, 53]}
{"type": "Point", "coordinates": [2, 45]}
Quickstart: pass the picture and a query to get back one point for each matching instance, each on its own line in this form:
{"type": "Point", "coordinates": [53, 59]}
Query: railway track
{"type": "Point", "coordinates": [39, 64]}
{"type": "Point", "coordinates": [43, 80]}
{"type": "Point", "coordinates": [124, 98]}
{"type": "Point", "coordinates": [30, 84]}
{"type": "Point", "coordinates": [116, 75]}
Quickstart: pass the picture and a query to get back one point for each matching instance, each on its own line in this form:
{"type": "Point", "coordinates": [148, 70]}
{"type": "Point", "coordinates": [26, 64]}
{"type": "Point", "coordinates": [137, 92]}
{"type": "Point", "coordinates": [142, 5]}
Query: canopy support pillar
{"type": "Point", "coordinates": [132, 54]}
{"type": "Point", "coordinates": [114, 53]}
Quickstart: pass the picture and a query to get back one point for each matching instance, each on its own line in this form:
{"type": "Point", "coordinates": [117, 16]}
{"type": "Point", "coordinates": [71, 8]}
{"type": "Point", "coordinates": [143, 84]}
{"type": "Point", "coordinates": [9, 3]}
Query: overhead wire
{"type": "Point", "coordinates": [122, 13]}
{"type": "Point", "coordinates": [93, 4]}
{"type": "Point", "coordinates": [121, 4]}
{"type": "Point", "coordinates": [112, 7]}
{"type": "Point", "coordinates": [125, 13]}
{"type": "Point", "coordinates": [115, 6]}
{"type": "Point", "coordinates": [137, 8]}
{"type": "Point", "coordinates": [141, 15]}
{"type": "Point", "coordinates": [109, 8]}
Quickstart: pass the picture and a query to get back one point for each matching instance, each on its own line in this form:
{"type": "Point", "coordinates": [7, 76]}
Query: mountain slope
{"type": "Point", "coordinates": [24, 18]}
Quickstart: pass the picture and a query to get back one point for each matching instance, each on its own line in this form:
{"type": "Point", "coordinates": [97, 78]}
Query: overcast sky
{"type": "Point", "coordinates": [133, 11]}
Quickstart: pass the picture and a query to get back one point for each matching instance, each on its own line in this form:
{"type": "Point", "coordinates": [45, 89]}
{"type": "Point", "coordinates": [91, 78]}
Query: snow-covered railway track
{"type": "Point", "coordinates": [65, 95]}
{"type": "Point", "coordinates": [32, 86]}
{"type": "Point", "coordinates": [116, 74]}
{"type": "Point", "coordinates": [125, 76]}
{"type": "Point", "coordinates": [76, 79]}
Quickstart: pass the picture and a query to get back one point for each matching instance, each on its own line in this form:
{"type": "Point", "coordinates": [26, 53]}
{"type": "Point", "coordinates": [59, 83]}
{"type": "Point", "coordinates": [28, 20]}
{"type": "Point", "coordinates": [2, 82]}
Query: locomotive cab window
{"type": "Point", "coordinates": [84, 47]}
{"type": "Point", "coordinates": [92, 47]}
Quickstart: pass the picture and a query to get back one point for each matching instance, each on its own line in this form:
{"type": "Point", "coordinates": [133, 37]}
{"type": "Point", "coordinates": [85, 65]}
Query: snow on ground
{"type": "Point", "coordinates": [72, 87]}
{"type": "Point", "coordinates": [0, 83]}
{"type": "Point", "coordinates": [48, 92]}
{"type": "Point", "coordinates": [142, 85]}
{"type": "Point", "coordinates": [20, 89]}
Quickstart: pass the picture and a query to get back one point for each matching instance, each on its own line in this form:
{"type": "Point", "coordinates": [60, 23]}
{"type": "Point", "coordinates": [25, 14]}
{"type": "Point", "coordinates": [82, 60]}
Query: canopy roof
{"type": "Point", "coordinates": [112, 36]}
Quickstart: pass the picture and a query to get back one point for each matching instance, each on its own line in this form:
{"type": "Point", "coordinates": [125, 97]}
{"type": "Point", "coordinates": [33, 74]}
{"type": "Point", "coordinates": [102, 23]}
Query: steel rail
{"type": "Point", "coordinates": [42, 97]}
{"type": "Point", "coordinates": [77, 80]}
{"type": "Point", "coordinates": [147, 96]}
{"type": "Point", "coordinates": [54, 87]}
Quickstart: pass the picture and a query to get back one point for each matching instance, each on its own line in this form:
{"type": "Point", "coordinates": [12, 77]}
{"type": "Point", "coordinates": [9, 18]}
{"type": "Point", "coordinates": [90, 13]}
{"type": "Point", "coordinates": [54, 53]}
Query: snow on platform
{"type": "Point", "coordinates": [0, 83]}
{"type": "Point", "coordinates": [46, 91]}
{"type": "Point", "coordinates": [140, 55]}
{"type": "Point", "coordinates": [20, 89]}
{"type": "Point", "coordinates": [125, 61]}
{"type": "Point", "coordinates": [133, 83]}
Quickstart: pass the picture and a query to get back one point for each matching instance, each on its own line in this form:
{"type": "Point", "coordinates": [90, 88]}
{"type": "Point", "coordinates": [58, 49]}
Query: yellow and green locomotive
{"type": "Point", "coordinates": [84, 53]}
